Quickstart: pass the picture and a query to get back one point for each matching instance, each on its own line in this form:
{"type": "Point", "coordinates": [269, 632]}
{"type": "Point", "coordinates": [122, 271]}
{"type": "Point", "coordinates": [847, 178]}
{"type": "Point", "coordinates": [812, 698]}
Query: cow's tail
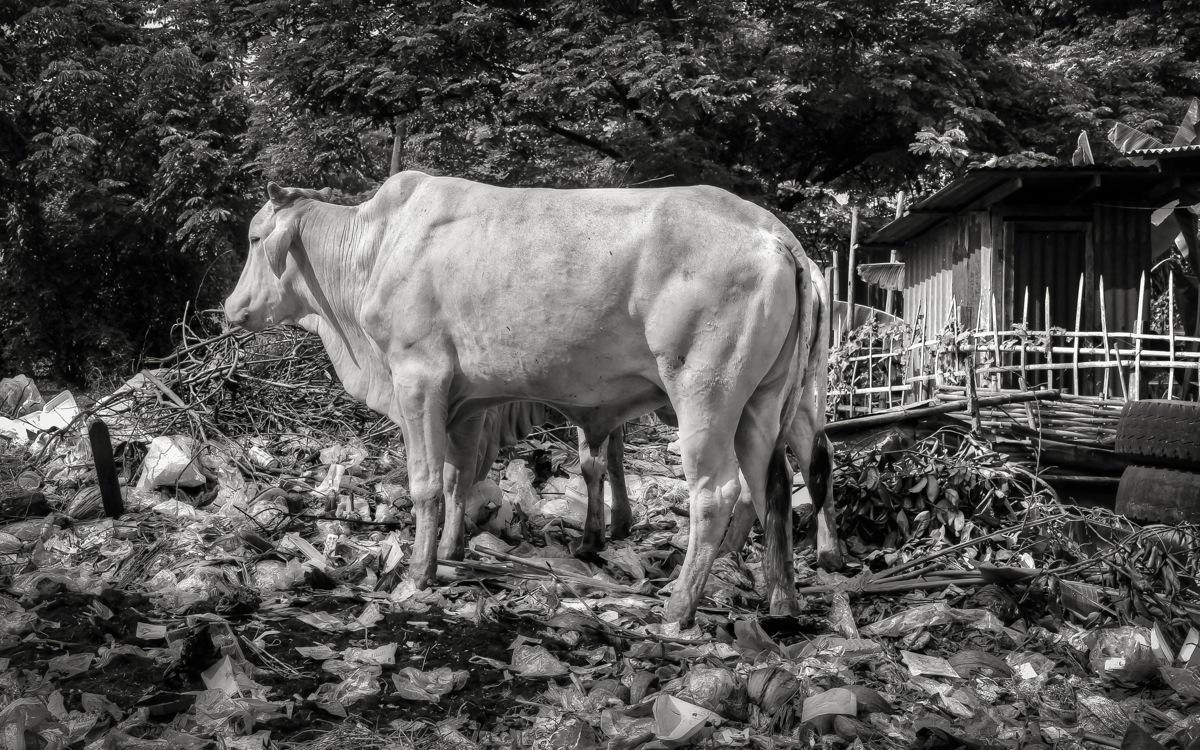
{"type": "Point", "coordinates": [803, 419]}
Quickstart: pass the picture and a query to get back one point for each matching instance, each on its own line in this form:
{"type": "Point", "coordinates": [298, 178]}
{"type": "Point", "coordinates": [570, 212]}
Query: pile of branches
{"type": "Point", "coordinates": [951, 484]}
{"type": "Point", "coordinates": [235, 384]}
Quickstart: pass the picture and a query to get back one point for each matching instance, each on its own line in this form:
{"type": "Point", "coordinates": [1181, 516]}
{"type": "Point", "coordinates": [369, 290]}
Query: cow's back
{"type": "Point", "coordinates": [532, 287]}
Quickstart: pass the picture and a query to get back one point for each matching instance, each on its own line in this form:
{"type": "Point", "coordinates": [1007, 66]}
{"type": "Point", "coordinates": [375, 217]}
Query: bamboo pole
{"type": "Point", "coordinates": [1104, 334]}
{"type": "Point", "coordinates": [1048, 326]}
{"type": "Point", "coordinates": [850, 263]}
{"type": "Point", "coordinates": [1136, 386]}
{"type": "Point", "coordinates": [1023, 380]}
{"type": "Point", "coordinates": [1171, 332]}
{"type": "Point", "coordinates": [1114, 352]}
{"type": "Point", "coordinates": [995, 325]}
{"type": "Point", "coordinates": [1078, 325]}
{"type": "Point", "coordinates": [844, 426]}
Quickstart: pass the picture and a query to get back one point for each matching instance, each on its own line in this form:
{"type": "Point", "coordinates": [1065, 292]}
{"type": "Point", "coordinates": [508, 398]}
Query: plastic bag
{"type": "Point", "coordinates": [1123, 655]}
{"type": "Point", "coordinates": [171, 461]}
{"type": "Point", "coordinates": [273, 575]}
{"type": "Point", "coordinates": [19, 396]}
{"type": "Point", "coordinates": [415, 685]}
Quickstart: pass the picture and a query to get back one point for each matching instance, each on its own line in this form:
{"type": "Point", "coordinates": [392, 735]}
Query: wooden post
{"type": "Point", "coordinates": [1136, 386]}
{"type": "Point", "coordinates": [972, 396]}
{"type": "Point", "coordinates": [996, 384]}
{"type": "Point", "coordinates": [1024, 377]}
{"type": "Point", "coordinates": [1171, 333]}
{"type": "Point", "coordinates": [1103, 337]}
{"type": "Point", "coordinates": [850, 263]}
{"type": "Point", "coordinates": [1078, 323]}
{"type": "Point", "coordinates": [1049, 343]}
{"type": "Point", "coordinates": [888, 300]}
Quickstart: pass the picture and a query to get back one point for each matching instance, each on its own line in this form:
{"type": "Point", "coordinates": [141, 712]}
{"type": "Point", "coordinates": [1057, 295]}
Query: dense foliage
{"type": "Point", "coordinates": [135, 136]}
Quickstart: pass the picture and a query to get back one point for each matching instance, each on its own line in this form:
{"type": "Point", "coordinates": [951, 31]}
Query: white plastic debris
{"type": "Point", "coordinates": [58, 412]}
{"type": "Point", "coordinates": [171, 461]}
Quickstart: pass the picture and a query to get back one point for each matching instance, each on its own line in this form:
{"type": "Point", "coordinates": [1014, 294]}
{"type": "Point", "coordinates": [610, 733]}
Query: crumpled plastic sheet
{"type": "Point", "coordinates": [929, 615]}
{"type": "Point", "coordinates": [415, 685]}
{"type": "Point", "coordinates": [359, 684]}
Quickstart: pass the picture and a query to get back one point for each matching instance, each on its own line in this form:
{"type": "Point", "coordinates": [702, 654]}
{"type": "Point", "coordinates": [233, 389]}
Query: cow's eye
{"type": "Point", "coordinates": [254, 239]}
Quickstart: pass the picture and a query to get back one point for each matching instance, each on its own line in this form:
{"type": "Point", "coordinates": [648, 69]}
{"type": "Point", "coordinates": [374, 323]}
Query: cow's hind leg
{"type": "Point", "coordinates": [763, 459]}
{"type": "Point", "coordinates": [460, 475]}
{"type": "Point", "coordinates": [815, 455]}
{"type": "Point", "coordinates": [711, 468]}
{"type": "Point", "coordinates": [622, 514]}
{"type": "Point", "coordinates": [740, 525]}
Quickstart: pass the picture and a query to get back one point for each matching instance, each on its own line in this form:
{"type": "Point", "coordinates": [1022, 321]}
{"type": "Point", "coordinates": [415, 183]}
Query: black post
{"type": "Point", "coordinates": [106, 469]}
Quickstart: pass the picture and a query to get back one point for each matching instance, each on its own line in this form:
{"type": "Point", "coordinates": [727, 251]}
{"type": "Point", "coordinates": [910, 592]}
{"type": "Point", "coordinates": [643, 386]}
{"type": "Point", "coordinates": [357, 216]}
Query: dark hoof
{"type": "Point", "coordinates": [620, 528]}
{"type": "Point", "coordinates": [588, 553]}
{"type": "Point", "coordinates": [829, 560]}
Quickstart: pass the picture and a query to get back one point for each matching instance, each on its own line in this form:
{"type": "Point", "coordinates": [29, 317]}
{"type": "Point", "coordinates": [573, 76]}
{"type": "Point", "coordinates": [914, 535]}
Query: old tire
{"type": "Point", "coordinates": [1156, 495]}
{"type": "Point", "coordinates": [1160, 433]}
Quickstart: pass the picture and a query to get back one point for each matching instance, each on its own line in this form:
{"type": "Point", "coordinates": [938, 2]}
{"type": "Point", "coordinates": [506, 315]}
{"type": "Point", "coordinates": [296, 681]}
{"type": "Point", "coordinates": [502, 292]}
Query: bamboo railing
{"type": "Point", "coordinates": [877, 367]}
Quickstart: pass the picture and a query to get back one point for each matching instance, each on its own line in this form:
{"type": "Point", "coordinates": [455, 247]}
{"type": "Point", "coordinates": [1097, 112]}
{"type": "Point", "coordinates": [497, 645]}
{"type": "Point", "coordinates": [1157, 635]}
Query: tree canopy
{"type": "Point", "coordinates": [136, 136]}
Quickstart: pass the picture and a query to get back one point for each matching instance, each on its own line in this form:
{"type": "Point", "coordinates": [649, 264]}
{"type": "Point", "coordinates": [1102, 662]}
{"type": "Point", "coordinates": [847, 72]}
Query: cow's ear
{"type": "Point", "coordinates": [325, 193]}
{"type": "Point", "coordinates": [277, 244]}
{"type": "Point", "coordinates": [279, 196]}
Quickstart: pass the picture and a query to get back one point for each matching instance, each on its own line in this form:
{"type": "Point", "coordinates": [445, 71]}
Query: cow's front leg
{"type": "Point", "coordinates": [422, 406]}
{"type": "Point", "coordinates": [593, 467]}
{"type": "Point", "coordinates": [462, 455]}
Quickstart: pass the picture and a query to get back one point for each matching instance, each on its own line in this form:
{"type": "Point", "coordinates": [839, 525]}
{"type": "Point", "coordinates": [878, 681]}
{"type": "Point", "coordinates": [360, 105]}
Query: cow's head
{"type": "Point", "coordinates": [264, 294]}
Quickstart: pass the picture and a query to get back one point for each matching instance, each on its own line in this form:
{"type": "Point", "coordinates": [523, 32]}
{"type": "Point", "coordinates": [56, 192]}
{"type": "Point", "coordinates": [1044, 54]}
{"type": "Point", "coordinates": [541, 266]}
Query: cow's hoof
{"type": "Point", "coordinates": [589, 552]}
{"type": "Point", "coordinates": [680, 613]}
{"type": "Point", "coordinates": [620, 527]}
{"type": "Point", "coordinates": [782, 604]}
{"type": "Point", "coordinates": [829, 560]}
{"type": "Point", "coordinates": [419, 582]}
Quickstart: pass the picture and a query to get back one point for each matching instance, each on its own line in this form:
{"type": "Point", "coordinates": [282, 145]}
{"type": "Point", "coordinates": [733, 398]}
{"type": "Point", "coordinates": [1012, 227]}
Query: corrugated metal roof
{"type": "Point", "coordinates": [981, 187]}
{"type": "Point", "coordinates": [1167, 151]}
{"type": "Point", "coordinates": [883, 275]}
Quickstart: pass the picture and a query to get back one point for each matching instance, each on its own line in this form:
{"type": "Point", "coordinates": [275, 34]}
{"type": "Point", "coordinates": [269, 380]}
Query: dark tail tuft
{"type": "Point", "coordinates": [820, 468]}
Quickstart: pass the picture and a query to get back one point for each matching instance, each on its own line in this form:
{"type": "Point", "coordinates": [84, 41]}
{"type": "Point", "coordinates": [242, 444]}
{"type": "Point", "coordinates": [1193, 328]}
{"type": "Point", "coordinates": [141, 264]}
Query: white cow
{"type": "Point", "coordinates": [440, 297]}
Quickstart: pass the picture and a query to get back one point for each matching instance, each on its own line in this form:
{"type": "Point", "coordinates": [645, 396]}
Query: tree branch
{"type": "Point", "coordinates": [579, 138]}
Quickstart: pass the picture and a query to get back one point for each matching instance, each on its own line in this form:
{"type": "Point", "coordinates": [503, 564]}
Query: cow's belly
{"type": "Point", "coordinates": [562, 358]}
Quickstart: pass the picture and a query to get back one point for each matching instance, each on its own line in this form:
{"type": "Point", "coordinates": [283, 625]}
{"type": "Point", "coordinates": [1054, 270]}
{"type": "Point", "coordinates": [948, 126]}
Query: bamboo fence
{"type": "Point", "coordinates": [882, 366]}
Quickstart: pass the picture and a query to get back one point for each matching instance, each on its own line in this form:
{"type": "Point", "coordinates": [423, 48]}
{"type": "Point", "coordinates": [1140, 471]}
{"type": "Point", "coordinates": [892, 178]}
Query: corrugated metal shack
{"type": "Point", "coordinates": [996, 236]}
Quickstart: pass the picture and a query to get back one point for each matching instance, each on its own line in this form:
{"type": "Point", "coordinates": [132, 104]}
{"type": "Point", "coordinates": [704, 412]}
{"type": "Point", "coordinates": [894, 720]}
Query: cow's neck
{"type": "Point", "coordinates": [334, 268]}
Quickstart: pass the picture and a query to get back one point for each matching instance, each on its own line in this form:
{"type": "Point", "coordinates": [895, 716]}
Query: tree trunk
{"type": "Point", "coordinates": [400, 132]}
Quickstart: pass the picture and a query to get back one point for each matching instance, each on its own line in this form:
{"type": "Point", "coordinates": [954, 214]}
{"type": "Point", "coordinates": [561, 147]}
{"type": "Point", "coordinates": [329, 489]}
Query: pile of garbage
{"type": "Point", "coordinates": [247, 592]}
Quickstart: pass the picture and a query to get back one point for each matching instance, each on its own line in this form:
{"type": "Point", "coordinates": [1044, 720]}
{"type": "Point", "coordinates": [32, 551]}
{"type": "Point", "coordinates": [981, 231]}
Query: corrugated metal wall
{"type": "Point", "coordinates": [944, 264]}
{"type": "Point", "coordinates": [1121, 238]}
{"type": "Point", "coordinates": [1047, 259]}
{"type": "Point", "coordinates": [929, 274]}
